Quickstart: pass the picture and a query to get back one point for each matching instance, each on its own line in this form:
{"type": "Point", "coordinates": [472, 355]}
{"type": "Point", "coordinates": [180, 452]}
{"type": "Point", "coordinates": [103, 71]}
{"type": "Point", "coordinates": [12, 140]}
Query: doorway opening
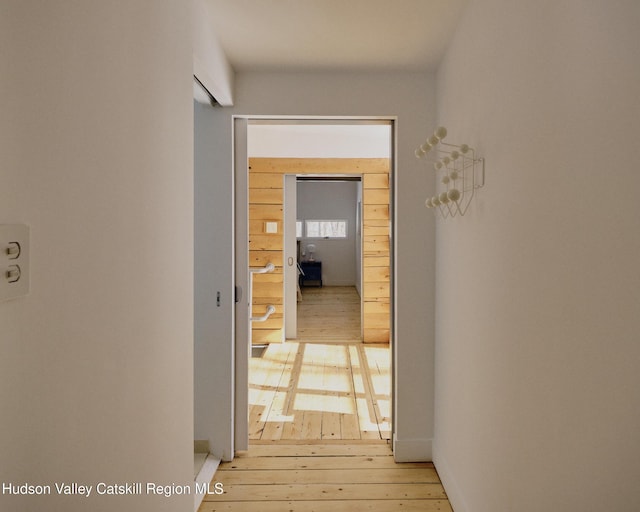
{"type": "Point", "coordinates": [315, 377]}
{"type": "Point", "coordinates": [323, 295]}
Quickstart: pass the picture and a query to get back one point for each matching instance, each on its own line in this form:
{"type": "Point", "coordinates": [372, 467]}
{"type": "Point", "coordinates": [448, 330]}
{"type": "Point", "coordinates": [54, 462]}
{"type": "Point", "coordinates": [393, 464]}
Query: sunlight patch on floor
{"type": "Point", "coordinates": [320, 391]}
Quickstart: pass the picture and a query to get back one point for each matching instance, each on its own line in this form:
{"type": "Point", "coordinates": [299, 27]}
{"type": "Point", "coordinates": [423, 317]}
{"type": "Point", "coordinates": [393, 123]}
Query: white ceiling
{"type": "Point", "coordinates": [315, 35]}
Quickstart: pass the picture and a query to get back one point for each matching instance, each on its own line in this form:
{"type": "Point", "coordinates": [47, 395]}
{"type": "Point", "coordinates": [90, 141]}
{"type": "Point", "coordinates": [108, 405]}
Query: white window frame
{"type": "Point", "coordinates": [346, 229]}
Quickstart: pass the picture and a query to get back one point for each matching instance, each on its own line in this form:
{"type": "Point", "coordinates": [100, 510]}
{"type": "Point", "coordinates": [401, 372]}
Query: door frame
{"type": "Point", "coordinates": [291, 276]}
{"type": "Point", "coordinates": [240, 170]}
{"type": "Point", "coordinates": [290, 302]}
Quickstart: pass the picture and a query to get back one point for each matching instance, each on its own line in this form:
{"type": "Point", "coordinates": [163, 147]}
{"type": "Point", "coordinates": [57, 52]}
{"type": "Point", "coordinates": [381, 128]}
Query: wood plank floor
{"type": "Point", "coordinates": [320, 391]}
{"type": "Point", "coordinates": [326, 477]}
{"type": "Point", "coordinates": [330, 313]}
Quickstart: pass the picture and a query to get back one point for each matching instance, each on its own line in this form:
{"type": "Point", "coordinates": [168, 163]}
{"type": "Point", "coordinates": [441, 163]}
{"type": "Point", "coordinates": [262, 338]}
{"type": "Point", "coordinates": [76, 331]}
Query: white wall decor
{"type": "Point", "coordinates": [459, 172]}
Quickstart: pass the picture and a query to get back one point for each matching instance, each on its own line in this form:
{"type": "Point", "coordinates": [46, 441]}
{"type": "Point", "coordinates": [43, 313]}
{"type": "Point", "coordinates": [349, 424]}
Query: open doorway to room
{"type": "Point", "coordinates": [321, 357]}
{"type": "Point", "coordinates": [328, 304]}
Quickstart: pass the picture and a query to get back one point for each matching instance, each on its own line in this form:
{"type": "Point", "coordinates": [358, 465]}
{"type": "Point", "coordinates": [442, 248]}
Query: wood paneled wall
{"type": "Point", "coordinates": [266, 180]}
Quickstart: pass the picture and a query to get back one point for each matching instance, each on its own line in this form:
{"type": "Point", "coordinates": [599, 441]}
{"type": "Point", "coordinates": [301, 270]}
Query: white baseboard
{"type": "Point", "coordinates": [451, 487]}
{"type": "Point", "coordinates": [204, 477]}
{"type": "Point", "coordinates": [412, 450]}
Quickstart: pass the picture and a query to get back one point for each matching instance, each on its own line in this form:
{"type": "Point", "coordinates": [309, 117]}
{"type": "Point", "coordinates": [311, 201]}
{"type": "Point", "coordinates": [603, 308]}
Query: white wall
{"type": "Point", "coordinates": [537, 287]}
{"type": "Point", "coordinates": [326, 201]}
{"type": "Point", "coordinates": [96, 156]}
{"type": "Point", "coordinates": [210, 64]}
{"type": "Point", "coordinates": [410, 97]}
{"type": "Point", "coordinates": [289, 139]}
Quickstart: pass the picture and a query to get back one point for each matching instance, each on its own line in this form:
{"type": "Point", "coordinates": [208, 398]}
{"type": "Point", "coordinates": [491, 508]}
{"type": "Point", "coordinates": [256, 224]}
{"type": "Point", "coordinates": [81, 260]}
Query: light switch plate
{"type": "Point", "coordinates": [270, 227]}
{"type": "Point", "coordinates": [14, 261]}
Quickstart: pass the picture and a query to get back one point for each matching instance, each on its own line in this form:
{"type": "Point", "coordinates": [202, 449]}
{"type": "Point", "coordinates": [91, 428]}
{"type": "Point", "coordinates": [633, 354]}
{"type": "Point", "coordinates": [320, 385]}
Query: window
{"type": "Point", "coordinates": [326, 228]}
{"type": "Point", "coordinates": [298, 229]}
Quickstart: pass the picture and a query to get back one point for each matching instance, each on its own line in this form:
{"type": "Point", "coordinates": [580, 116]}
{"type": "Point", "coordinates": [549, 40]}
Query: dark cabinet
{"type": "Point", "coordinates": [311, 273]}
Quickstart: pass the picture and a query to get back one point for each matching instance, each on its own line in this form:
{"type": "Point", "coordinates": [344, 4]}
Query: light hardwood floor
{"type": "Point", "coordinates": [326, 384]}
{"type": "Point", "coordinates": [330, 313]}
{"type": "Point", "coordinates": [320, 427]}
{"type": "Point", "coordinates": [320, 391]}
{"type": "Point", "coordinates": [328, 477]}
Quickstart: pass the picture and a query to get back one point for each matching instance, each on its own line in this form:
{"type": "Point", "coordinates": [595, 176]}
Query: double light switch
{"type": "Point", "coordinates": [14, 261]}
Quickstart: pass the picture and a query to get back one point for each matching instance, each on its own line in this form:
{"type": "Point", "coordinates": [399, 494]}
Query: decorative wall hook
{"type": "Point", "coordinates": [459, 172]}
